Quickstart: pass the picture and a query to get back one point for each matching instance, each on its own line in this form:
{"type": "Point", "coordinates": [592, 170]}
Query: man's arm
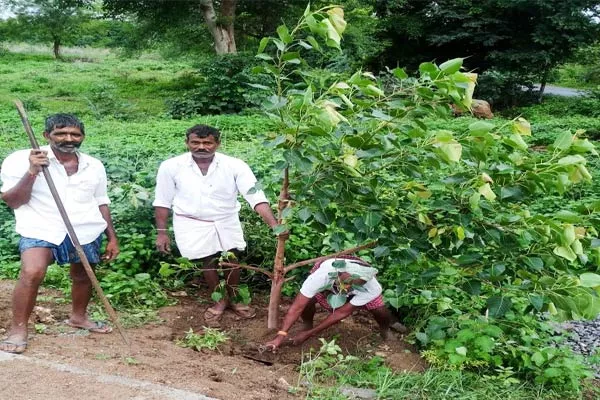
{"type": "Point", "coordinates": [265, 212]}
{"type": "Point", "coordinates": [299, 304]}
{"type": "Point", "coordinates": [20, 194]}
{"type": "Point", "coordinates": [112, 244]}
{"type": "Point", "coordinates": [163, 241]}
{"type": "Point", "coordinates": [339, 314]}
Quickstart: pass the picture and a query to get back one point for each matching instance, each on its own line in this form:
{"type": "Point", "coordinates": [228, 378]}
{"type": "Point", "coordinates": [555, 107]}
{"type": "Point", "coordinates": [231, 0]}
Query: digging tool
{"type": "Point", "coordinates": [63, 213]}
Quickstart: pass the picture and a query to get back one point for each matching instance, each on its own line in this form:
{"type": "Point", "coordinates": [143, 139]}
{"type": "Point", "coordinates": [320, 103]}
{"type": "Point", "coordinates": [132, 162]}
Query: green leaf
{"type": "Point", "coordinates": [336, 300]}
{"type": "Point", "coordinates": [538, 358]}
{"type": "Point", "coordinates": [571, 160]}
{"type": "Point", "coordinates": [372, 219]}
{"type": "Point", "coordinates": [451, 151]}
{"type": "Point", "coordinates": [472, 287]}
{"type": "Point", "coordinates": [563, 141]}
{"type": "Point", "coordinates": [536, 301]}
{"type": "Point", "coordinates": [565, 252]}
{"type": "Point", "coordinates": [521, 126]}
{"type": "Point", "coordinates": [304, 214]}
{"type": "Point", "coordinates": [284, 34]}
{"type": "Point", "coordinates": [279, 229]}
{"type": "Point", "coordinates": [486, 191]}
{"type": "Point", "coordinates": [313, 42]}
{"type": "Point", "coordinates": [336, 16]}
{"type": "Point", "coordinates": [498, 305]}
{"type": "Point", "coordinates": [293, 57]}
{"type": "Point", "coordinates": [428, 68]}
{"type": "Point", "coordinates": [216, 296]}
{"type": "Point", "coordinates": [516, 141]}
{"type": "Point", "coordinates": [399, 73]}
{"type": "Point", "coordinates": [462, 350]}
{"type": "Point", "coordinates": [589, 280]}
{"type": "Point", "coordinates": [263, 44]}
{"type": "Point", "coordinates": [264, 56]}
{"type": "Point", "coordinates": [422, 337]}
{"type": "Point", "coordinates": [568, 216]}
{"type": "Point", "coordinates": [451, 66]}
{"type": "Point", "coordinates": [480, 127]}
{"type": "Point", "coordinates": [339, 264]}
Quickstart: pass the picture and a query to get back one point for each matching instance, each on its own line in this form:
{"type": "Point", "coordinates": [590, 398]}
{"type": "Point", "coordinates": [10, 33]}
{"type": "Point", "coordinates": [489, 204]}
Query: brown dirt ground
{"type": "Point", "coordinates": [231, 373]}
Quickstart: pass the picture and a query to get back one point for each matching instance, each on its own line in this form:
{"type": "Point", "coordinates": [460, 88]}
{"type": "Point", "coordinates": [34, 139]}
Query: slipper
{"type": "Point", "coordinates": [19, 347]}
{"type": "Point", "coordinates": [99, 327]}
{"type": "Point", "coordinates": [212, 317]}
{"type": "Point", "coordinates": [243, 311]}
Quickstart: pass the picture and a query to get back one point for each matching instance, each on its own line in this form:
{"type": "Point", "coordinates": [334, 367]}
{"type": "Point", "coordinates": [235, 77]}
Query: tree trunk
{"type": "Point", "coordinates": [56, 48]}
{"type": "Point", "coordinates": [279, 265]}
{"type": "Point", "coordinates": [543, 84]}
{"type": "Point", "coordinates": [221, 28]}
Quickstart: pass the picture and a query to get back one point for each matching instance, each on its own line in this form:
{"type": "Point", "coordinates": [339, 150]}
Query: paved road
{"type": "Point", "coordinates": [562, 91]}
{"type": "Point", "coordinates": [28, 378]}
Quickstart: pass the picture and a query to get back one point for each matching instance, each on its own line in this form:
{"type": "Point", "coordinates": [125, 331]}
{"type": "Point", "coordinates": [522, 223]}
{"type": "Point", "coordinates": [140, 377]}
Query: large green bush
{"type": "Point", "coordinates": [225, 89]}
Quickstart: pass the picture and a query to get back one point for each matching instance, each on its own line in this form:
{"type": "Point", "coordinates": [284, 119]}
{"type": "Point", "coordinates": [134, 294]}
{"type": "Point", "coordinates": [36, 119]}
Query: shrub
{"type": "Point", "coordinates": [226, 88]}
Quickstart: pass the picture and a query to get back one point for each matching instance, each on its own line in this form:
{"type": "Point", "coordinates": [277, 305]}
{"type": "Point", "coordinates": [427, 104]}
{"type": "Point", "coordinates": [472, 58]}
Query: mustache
{"type": "Point", "coordinates": [65, 144]}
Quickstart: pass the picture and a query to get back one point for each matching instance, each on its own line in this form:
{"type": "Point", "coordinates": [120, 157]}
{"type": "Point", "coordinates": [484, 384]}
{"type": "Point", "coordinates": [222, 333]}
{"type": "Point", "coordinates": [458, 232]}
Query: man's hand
{"type": "Point", "coordinates": [112, 251]}
{"type": "Point", "coordinates": [37, 160]}
{"type": "Point", "coordinates": [163, 242]}
{"type": "Point", "coordinates": [300, 338]}
{"type": "Point", "coordinates": [274, 344]}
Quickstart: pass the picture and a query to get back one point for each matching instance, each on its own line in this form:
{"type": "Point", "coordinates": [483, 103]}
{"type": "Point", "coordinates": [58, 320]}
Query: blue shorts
{"type": "Point", "coordinates": [65, 252]}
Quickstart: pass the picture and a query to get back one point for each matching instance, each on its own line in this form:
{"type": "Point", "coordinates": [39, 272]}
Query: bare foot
{"type": "Point", "coordinates": [15, 343]}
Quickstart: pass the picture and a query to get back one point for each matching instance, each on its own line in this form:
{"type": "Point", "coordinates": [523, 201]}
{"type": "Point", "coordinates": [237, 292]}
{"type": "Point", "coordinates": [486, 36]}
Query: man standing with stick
{"type": "Point", "coordinates": [81, 183]}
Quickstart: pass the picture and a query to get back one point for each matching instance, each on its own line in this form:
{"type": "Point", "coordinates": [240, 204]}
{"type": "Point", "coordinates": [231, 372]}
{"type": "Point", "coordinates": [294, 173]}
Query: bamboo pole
{"type": "Point", "coordinates": [63, 213]}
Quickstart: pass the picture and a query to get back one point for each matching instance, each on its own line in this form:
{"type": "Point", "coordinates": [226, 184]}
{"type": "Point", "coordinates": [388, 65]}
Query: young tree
{"type": "Point", "coordinates": [458, 244]}
{"type": "Point", "coordinates": [52, 20]}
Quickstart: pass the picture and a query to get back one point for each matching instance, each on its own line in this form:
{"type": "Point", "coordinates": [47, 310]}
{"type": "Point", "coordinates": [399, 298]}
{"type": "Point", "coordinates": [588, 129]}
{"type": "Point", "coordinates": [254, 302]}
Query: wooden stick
{"type": "Point", "coordinates": [63, 213]}
{"type": "Point", "coordinates": [339, 253]}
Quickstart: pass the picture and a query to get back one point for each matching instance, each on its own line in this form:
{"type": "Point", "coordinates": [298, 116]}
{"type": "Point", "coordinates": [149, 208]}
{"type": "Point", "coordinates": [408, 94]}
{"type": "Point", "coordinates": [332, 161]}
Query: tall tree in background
{"type": "Point", "coordinates": [224, 20]}
{"type": "Point", "coordinates": [52, 20]}
{"type": "Point", "coordinates": [528, 37]}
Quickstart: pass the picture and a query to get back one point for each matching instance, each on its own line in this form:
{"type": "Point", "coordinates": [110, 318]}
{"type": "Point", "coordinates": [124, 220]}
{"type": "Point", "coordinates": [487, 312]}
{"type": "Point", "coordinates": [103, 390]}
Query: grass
{"type": "Point", "coordinates": [326, 373]}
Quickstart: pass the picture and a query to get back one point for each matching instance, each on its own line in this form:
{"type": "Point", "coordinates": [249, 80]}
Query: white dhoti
{"type": "Point", "coordinates": [198, 238]}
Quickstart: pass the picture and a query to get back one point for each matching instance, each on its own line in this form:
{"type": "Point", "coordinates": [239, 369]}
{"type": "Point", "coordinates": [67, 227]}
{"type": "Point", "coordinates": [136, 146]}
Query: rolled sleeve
{"type": "Point", "coordinates": [314, 283]}
{"type": "Point", "coordinates": [165, 187]}
{"type": "Point", "coordinates": [245, 182]}
{"type": "Point", "coordinates": [372, 290]}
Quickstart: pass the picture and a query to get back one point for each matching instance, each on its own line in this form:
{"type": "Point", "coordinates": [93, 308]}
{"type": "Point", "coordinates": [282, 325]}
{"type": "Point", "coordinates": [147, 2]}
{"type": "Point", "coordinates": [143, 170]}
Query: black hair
{"type": "Point", "coordinates": [203, 131]}
{"type": "Point", "coordinates": [57, 121]}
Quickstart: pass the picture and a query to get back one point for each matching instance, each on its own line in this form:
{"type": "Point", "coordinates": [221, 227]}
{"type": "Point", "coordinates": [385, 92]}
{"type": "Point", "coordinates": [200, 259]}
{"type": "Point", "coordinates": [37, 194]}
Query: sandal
{"type": "Point", "coordinates": [243, 311]}
{"type": "Point", "coordinates": [98, 327]}
{"type": "Point", "coordinates": [13, 347]}
{"type": "Point", "coordinates": [212, 317]}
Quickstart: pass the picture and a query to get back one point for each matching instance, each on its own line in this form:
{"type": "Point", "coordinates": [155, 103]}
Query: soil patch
{"type": "Point", "coordinates": [237, 371]}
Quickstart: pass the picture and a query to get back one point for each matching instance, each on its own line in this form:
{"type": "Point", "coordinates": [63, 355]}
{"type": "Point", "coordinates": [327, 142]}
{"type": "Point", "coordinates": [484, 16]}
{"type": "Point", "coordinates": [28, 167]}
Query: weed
{"type": "Point", "coordinates": [210, 338]}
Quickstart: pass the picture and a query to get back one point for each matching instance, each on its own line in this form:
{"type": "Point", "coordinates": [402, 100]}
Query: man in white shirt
{"type": "Point", "coordinates": [202, 187]}
{"type": "Point", "coordinates": [340, 285]}
{"type": "Point", "coordinates": [81, 183]}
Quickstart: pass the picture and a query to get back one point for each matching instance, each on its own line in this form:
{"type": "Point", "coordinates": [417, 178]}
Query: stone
{"type": "Point", "coordinates": [358, 393]}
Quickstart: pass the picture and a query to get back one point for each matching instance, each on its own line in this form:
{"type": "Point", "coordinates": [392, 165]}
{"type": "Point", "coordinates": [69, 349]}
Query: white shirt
{"type": "Point", "coordinates": [206, 207]}
{"type": "Point", "coordinates": [320, 279]}
{"type": "Point", "coordinates": [81, 194]}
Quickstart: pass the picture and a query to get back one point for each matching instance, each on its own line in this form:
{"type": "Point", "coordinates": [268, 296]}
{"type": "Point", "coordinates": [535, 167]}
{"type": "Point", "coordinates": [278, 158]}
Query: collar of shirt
{"type": "Point", "coordinates": [213, 165]}
{"type": "Point", "coordinates": [82, 158]}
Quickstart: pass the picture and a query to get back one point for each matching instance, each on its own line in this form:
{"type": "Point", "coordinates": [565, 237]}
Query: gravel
{"type": "Point", "coordinates": [583, 337]}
